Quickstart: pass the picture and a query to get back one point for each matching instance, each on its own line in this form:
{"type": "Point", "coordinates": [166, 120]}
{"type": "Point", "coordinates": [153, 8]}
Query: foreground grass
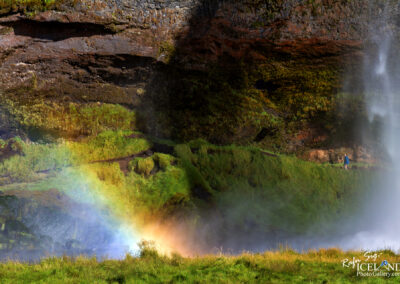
{"type": "Point", "coordinates": [286, 266]}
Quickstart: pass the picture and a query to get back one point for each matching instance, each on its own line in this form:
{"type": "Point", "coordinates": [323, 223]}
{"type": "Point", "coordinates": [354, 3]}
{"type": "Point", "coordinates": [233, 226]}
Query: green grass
{"type": "Point", "coordinates": [145, 166]}
{"type": "Point", "coordinates": [108, 145]}
{"type": "Point", "coordinates": [71, 166]}
{"type": "Point", "coordinates": [356, 165]}
{"type": "Point", "coordinates": [286, 266]}
{"type": "Point", "coordinates": [280, 192]}
{"type": "Point", "coordinates": [273, 193]}
{"type": "Point", "coordinates": [36, 157]}
{"type": "Point", "coordinates": [284, 192]}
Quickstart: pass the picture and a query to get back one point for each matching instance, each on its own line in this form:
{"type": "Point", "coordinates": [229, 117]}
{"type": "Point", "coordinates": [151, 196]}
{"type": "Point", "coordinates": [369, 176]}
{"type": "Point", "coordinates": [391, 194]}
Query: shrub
{"type": "Point", "coordinates": [145, 166]}
{"type": "Point", "coordinates": [163, 160]}
{"type": "Point", "coordinates": [148, 249]}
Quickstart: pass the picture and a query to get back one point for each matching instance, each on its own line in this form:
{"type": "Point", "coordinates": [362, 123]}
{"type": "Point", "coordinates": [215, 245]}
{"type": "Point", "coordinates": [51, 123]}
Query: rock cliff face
{"type": "Point", "coordinates": [226, 71]}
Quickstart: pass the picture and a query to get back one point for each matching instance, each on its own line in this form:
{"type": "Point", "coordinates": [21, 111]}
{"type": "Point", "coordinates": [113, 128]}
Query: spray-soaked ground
{"type": "Point", "coordinates": [39, 224]}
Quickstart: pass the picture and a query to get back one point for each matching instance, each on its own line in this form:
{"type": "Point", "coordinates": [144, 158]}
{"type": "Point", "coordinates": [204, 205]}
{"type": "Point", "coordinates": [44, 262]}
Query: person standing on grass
{"type": "Point", "coordinates": [346, 162]}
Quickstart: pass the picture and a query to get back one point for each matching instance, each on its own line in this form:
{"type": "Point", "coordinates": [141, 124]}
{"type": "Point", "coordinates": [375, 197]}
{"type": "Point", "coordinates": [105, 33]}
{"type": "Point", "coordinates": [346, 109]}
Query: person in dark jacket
{"type": "Point", "coordinates": [346, 162]}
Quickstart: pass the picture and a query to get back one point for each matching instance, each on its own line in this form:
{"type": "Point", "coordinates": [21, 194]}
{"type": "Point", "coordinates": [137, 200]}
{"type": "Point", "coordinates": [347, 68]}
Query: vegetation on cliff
{"type": "Point", "coordinates": [283, 193]}
{"type": "Point", "coordinates": [265, 100]}
{"type": "Point", "coordinates": [7, 6]}
{"type": "Point", "coordinates": [69, 120]}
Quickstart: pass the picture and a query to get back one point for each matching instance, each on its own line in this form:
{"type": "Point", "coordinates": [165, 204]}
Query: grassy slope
{"type": "Point", "coordinates": [324, 266]}
{"type": "Point", "coordinates": [285, 192]}
{"type": "Point", "coordinates": [307, 193]}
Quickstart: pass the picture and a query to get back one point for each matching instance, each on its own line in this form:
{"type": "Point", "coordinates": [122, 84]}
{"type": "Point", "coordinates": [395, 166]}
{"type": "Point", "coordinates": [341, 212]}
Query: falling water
{"type": "Point", "coordinates": [381, 88]}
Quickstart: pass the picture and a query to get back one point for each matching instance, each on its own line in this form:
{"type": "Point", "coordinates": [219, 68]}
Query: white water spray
{"type": "Point", "coordinates": [381, 84]}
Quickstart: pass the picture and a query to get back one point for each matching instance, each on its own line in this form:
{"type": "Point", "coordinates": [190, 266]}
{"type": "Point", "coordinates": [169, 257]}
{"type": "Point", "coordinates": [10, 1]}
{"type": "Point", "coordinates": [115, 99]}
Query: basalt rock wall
{"type": "Point", "coordinates": [264, 72]}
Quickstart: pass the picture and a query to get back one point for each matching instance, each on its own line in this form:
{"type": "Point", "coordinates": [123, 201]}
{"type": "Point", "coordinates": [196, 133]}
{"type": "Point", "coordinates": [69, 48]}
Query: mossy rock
{"type": "Point", "coordinates": [7, 6]}
{"type": "Point", "coordinates": [145, 166]}
{"type": "Point", "coordinates": [70, 120]}
{"type": "Point", "coordinates": [163, 160]}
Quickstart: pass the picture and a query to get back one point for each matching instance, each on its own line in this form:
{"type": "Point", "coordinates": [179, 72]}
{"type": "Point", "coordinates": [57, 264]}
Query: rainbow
{"type": "Point", "coordinates": [87, 184]}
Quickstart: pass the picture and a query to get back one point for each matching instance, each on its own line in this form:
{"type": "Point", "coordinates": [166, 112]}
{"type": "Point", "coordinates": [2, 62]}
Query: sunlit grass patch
{"type": "Point", "coordinates": [108, 145]}
{"type": "Point", "coordinates": [73, 119]}
{"type": "Point", "coordinates": [151, 267]}
{"type": "Point", "coordinates": [37, 157]}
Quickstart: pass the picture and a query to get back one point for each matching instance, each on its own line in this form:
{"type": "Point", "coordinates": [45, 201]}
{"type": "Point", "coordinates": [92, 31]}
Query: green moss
{"type": "Point", "coordinates": [300, 89]}
{"type": "Point", "coordinates": [72, 119]}
{"type": "Point", "coordinates": [34, 158]}
{"type": "Point", "coordinates": [167, 49]}
{"type": "Point", "coordinates": [163, 160]}
{"type": "Point", "coordinates": [232, 102]}
{"type": "Point", "coordinates": [233, 172]}
{"type": "Point", "coordinates": [215, 105]}
{"type": "Point", "coordinates": [7, 6]}
{"type": "Point", "coordinates": [2, 144]}
{"type": "Point", "coordinates": [102, 117]}
{"type": "Point", "coordinates": [145, 166]}
{"type": "Point", "coordinates": [285, 193]}
{"type": "Point", "coordinates": [197, 143]}
{"type": "Point", "coordinates": [154, 192]}
{"type": "Point", "coordinates": [108, 145]}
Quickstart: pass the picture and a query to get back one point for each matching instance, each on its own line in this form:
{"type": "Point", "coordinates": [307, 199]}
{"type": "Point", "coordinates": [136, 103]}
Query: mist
{"type": "Point", "coordinates": [376, 226]}
{"type": "Point", "coordinates": [72, 220]}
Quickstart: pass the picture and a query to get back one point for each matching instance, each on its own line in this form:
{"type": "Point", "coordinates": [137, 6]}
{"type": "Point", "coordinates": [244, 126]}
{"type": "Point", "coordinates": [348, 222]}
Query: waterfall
{"type": "Point", "coordinates": [379, 226]}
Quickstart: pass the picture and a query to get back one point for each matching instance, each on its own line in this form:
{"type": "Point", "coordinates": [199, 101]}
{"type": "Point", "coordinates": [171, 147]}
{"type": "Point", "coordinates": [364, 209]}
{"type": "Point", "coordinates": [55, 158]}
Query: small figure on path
{"type": "Point", "coordinates": [346, 162]}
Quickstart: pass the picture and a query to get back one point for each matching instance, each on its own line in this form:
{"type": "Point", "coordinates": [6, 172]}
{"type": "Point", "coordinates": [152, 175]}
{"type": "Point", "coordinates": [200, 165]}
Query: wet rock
{"type": "Point", "coordinates": [358, 154]}
{"type": "Point", "coordinates": [320, 156]}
